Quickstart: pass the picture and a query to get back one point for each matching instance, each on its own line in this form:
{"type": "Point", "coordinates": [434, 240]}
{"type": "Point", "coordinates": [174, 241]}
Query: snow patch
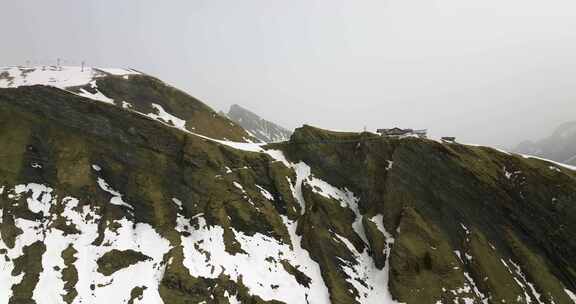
{"type": "Point", "coordinates": [571, 295]}
{"type": "Point", "coordinates": [237, 185]}
{"type": "Point", "coordinates": [95, 96]}
{"type": "Point", "coordinates": [55, 76]}
{"type": "Point", "coordinates": [524, 282]}
{"type": "Point", "coordinates": [510, 174]}
{"type": "Point", "coordinates": [166, 117]}
{"type": "Point", "coordinates": [127, 105]}
{"type": "Point", "coordinates": [120, 72]}
{"type": "Point", "coordinates": [554, 169]}
{"type": "Point", "coordinates": [60, 77]}
{"type": "Point", "coordinates": [389, 164]}
{"type": "Point", "coordinates": [116, 196]}
{"type": "Point", "coordinates": [178, 203]}
{"type": "Point", "coordinates": [249, 147]}
{"type": "Point", "coordinates": [265, 193]}
{"type": "Point", "coordinates": [260, 268]}
{"type": "Point", "coordinates": [40, 199]}
{"type": "Point", "coordinates": [475, 289]}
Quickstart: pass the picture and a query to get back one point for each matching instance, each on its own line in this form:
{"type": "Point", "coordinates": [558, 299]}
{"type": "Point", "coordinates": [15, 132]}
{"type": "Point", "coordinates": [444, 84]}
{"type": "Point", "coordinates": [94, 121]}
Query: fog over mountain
{"type": "Point", "coordinates": [124, 178]}
{"type": "Point", "coordinates": [488, 72]}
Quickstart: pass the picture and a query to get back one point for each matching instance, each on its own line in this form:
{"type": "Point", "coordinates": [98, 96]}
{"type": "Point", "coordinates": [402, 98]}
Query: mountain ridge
{"type": "Point", "coordinates": [132, 90]}
{"type": "Point", "coordinates": [326, 217]}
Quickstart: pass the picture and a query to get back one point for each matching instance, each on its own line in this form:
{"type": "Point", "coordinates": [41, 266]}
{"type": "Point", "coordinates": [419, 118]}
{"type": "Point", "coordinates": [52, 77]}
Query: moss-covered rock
{"type": "Point", "coordinates": [30, 265]}
{"type": "Point", "coordinates": [300, 277]}
{"type": "Point", "coordinates": [115, 260]}
{"type": "Point", "coordinates": [136, 294]}
{"type": "Point", "coordinates": [377, 242]}
{"type": "Point", "coordinates": [69, 274]}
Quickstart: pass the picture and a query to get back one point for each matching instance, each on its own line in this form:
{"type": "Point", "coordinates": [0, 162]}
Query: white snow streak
{"type": "Point", "coordinates": [116, 196]}
{"type": "Point", "coordinates": [265, 193]}
{"type": "Point", "coordinates": [571, 295]}
{"type": "Point", "coordinates": [96, 96]}
{"type": "Point", "coordinates": [376, 280]}
{"type": "Point", "coordinates": [550, 161]}
{"type": "Point", "coordinates": [166, 117]}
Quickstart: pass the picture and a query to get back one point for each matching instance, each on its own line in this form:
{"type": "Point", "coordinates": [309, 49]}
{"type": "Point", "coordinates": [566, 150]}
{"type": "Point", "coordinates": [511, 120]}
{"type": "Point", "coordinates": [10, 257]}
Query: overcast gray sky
{"type": "Point", "coordinates": [487, 71]}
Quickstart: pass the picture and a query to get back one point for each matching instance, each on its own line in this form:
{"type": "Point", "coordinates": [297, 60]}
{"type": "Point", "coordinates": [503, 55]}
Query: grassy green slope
{"type": "Point", "coordinates": [141, 91]}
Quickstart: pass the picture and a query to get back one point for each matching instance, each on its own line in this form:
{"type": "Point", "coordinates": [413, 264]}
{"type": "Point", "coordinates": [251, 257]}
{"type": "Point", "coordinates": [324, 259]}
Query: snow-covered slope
{"type": "Point", "coordinates": [57, 76]}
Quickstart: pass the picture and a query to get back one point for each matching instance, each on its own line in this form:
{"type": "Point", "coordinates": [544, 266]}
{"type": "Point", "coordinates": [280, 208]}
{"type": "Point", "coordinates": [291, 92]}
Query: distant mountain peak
{"type": "Point", "coordinates": [559, 146]}
{"type": "Point", "coordinates": [258, 127]}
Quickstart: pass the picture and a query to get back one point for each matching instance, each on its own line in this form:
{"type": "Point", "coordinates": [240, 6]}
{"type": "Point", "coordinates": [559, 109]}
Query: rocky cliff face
{"type": "Point", "coordinates": [258, 127]}
{"type": "Point", "coordinates": [560, 146]}
{"type": "Point", "coordinates": [100, 203]}
{"type": "Point", "coordinates": [463, 218]}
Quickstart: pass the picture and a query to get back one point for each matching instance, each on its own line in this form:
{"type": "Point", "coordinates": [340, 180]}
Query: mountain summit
{"type": "Point", "coordinates": [101, 203]}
